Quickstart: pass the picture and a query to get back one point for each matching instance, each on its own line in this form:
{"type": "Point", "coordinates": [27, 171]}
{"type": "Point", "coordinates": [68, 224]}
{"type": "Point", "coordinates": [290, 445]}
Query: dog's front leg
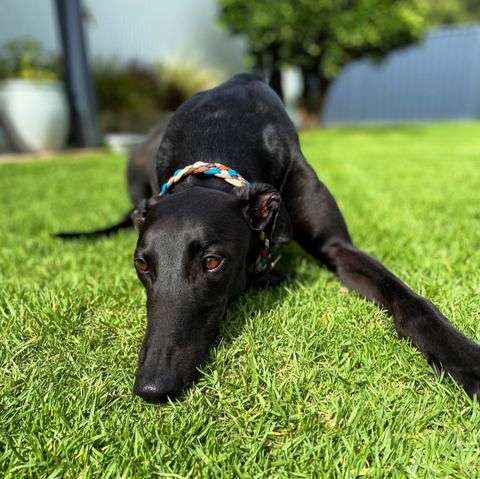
{"type": "Point", "coordinates": [416, 318]}
{"type": "Point", "coordinates": [319, 227]}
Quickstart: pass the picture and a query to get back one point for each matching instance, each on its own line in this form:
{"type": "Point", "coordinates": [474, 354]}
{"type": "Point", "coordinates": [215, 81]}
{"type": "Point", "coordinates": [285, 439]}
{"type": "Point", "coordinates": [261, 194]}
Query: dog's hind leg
{"type": "Point", "coordinates": [141, 174]}
{"type": "Point", "coordinates": [319, 227]}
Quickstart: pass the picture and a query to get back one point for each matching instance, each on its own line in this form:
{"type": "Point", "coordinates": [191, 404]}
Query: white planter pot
{"type": "Point", "coordinates": [35, 114]}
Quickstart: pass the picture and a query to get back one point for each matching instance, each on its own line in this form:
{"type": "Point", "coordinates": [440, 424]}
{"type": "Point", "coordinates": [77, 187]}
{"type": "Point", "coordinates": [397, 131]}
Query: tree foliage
{"type": "Point", "coordinates": [444, 12]}
{"type": "Point", "coordinates": [324, 33]}
{"type": "Point", "coordinates": [322, 36]}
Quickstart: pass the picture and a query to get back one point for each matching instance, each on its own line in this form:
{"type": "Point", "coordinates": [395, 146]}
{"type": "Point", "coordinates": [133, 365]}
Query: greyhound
{"type": "Point", "coordinates": [217, 191]}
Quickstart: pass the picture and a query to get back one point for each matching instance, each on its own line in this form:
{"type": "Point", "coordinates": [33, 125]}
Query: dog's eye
{"type": "Point", "coordinates": [211, 263]}
{"type": "Point", "coordinates": [141, 265]}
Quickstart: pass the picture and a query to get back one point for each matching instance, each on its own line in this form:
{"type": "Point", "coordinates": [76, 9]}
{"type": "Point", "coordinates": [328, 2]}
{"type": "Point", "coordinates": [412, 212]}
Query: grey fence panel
{"type": "Point", "coordinates": [436, 80]}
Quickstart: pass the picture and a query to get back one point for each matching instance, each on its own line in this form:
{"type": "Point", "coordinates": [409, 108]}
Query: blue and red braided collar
{"type": "Point", "coordinates": [268, 256]}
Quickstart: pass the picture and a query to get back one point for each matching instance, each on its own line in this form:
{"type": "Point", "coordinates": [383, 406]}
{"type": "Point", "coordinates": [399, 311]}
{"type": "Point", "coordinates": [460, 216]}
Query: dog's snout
{"type": "Point", "coordinates": [155, 390]}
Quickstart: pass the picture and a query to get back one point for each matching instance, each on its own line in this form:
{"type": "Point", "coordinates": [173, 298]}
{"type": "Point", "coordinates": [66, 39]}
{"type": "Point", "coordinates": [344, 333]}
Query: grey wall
{"type": "Point", "coordinates": [436, 80]}
{"type": "Point", "coordinates": [29, 17]}
{"type": "Point", "coordinates": [152, 30]}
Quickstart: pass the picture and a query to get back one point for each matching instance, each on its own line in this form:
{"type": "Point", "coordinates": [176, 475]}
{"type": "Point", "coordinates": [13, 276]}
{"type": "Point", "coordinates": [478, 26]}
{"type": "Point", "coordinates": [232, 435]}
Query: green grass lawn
{"type": "Point", "coordinates": [305, 380]}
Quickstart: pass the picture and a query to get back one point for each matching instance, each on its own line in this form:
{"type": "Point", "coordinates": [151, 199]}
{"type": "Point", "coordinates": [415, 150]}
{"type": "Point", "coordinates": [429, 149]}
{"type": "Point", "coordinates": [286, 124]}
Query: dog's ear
{"type": "Point", "coordinates": [263, 208]}
{"type": "Point", "coordinates": [140, 212]}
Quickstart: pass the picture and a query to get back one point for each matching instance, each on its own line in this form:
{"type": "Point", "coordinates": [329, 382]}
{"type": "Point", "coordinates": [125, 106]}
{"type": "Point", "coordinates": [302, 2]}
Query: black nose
{"type": "Point", "coordinates": [157, 389]}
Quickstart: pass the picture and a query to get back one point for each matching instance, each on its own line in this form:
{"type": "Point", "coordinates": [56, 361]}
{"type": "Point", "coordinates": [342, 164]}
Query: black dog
{"type": "Point", "coordinates": [200, 240]}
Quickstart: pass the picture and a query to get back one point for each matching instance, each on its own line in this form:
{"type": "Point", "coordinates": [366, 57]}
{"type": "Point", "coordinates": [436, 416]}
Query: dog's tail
{"type": "Point", "coordinates": [127, 222]}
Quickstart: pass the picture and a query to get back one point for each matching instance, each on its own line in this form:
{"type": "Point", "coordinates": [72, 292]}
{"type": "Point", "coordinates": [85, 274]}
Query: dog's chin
{"type": "Point", "coordinates": [162, 399]}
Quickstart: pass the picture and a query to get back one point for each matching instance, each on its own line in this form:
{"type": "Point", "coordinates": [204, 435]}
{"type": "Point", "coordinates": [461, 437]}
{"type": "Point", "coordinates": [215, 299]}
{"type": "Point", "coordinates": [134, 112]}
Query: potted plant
{"type": "Point", "coordinates": [33, 105]}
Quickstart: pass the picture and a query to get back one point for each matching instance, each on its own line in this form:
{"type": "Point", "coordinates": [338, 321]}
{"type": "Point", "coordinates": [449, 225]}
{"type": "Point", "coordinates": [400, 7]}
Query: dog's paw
{"type": "Point", "coordinates": [463, 365]}
{"type": "Point", "coordinates": [445, 347]}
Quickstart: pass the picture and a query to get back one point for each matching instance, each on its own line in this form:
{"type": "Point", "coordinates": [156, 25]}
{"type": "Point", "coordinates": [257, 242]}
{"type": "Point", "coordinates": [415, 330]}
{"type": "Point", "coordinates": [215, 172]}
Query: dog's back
{"type": "Point", "coordinates": [242, 123]}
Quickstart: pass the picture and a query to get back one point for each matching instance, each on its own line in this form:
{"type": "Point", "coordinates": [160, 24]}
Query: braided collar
{"type": "Point", "coordinates": [268, 256]}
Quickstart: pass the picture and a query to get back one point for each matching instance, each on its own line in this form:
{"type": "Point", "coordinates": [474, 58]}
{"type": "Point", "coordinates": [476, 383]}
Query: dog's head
{"type": "Point", "coordinates": [192, 256]}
